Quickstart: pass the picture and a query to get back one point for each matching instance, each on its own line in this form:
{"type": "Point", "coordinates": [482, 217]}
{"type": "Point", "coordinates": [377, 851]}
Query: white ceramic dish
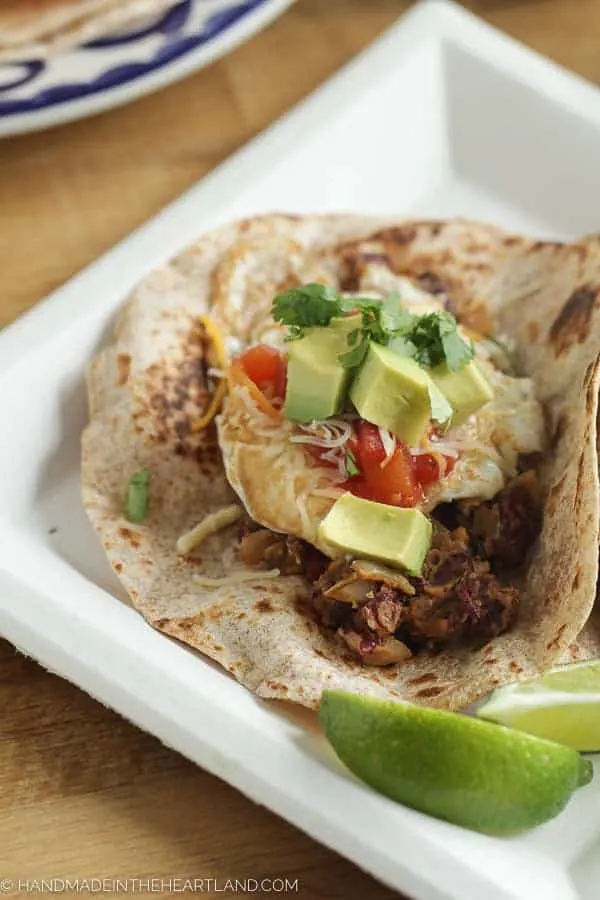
{"type": "Point", "coordinates": [442, 116]}
{"type": "Point", "coordinates": [118, 68]}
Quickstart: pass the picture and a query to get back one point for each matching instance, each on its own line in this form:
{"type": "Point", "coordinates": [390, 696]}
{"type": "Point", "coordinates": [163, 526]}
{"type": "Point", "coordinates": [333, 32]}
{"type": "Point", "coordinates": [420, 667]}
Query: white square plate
{"type": "Point", "coordinates": [442, 116]}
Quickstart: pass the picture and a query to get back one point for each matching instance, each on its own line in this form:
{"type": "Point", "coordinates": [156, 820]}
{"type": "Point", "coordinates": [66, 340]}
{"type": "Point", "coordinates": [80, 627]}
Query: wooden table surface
{"type": "Point", "coordinates": [82, 792]}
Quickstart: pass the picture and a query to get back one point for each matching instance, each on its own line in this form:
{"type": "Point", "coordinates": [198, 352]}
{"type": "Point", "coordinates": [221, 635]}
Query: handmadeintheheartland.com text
{"type": "Point", "coordinates": [150, 885]}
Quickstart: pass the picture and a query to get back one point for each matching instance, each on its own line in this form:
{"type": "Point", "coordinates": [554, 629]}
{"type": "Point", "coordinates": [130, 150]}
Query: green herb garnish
{"type": "Point", "coordinates": [379, 320]}
{"type": "Point", "coordinates": [306, 307]}
{"type": "Point", "coordinates": [138, 496]}
{"type": "Point", "coordinates": [352, 468]}
{"type": "Point", "coordinates": [435, 339]}
{"type": "Point", "coordinates": [430, 339]}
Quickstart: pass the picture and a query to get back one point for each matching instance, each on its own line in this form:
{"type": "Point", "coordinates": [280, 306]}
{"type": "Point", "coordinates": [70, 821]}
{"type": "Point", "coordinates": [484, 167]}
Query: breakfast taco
{"type": "Point", "coordinates": [356, 454]}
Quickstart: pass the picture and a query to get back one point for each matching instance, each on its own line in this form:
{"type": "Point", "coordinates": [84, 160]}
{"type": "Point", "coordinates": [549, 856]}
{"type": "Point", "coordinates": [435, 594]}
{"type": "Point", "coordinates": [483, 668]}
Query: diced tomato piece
{"type": "Point", "coordinates": [280, 382]}
{"type": "Point", "coordinates": [369, 448]}
{"type": "Point", "coordinates": [359, 487]}
{"type": "Point", "coordinates": [393, 483]}
{"type": "Point", "coordinates": [396, 483]}
{"type": "Point", "coordinates": [427, 469]}
{"type": "Point", "coordinates": [267, 368]}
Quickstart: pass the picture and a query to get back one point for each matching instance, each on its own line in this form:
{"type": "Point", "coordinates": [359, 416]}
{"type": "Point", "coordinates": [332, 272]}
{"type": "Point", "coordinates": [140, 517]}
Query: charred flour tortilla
{"type": "Point", "coordinates": [35, 28]}
{"type": "Point", "coordinates": [149, 385]}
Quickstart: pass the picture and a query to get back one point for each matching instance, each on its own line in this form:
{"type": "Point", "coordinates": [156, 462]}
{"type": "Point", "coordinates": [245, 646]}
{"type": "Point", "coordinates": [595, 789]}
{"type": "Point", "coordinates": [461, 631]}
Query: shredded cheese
{"type": "Point", "coordinates": [328, 434]}
{"type": "Point", "coordinates": [236, 577]}
{"type": "Point", "coordinates": [238, 376]}
{"type": "Point", "coordinates": [474, 335]}
{"type": "Point", "coordinates": [217, 340]}
{"type": "Point", "coordinates": [210, 525]}
{"type": "Point", "coordinates": [220, 350]}
{"type": "Point", "coordinates": [388, 441]}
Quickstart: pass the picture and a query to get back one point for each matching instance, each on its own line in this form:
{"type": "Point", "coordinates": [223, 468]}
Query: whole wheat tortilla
{"type": "Point", "coordinates": [36, 28]}
{"type": "Point", "coordinates": [147, 386]}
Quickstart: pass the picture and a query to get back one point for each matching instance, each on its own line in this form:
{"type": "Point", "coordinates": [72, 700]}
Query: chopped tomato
{"type": "Point", "coordinates": [395, 482]}
{"type": "Point", "coordinates": [369, 448]}
{"type": "Point", "coordinates": [359, 487]}
{"type": "Point", "coordinates": [398, 481]}
{"type": "Point", "coordinates": [236, 375]}
{"type": "Point", "coordinates": [427, 469]}
{"type": "Point", "coordinates": [267, 368]}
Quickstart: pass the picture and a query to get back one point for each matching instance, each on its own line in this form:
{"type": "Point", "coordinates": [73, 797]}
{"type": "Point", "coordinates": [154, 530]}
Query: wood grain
{"type": "Point", "coordinates": [82, 792]}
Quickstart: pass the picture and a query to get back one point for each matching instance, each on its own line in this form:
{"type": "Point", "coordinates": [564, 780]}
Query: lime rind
{"type": "Point", "coordinates": [467, 771]}
{"type": "Point", "coordinates": [570, 679]}
{"type": "Point", "coordinates": [586, 772]}
{"type": "Point", "coordinates": [563, 706]}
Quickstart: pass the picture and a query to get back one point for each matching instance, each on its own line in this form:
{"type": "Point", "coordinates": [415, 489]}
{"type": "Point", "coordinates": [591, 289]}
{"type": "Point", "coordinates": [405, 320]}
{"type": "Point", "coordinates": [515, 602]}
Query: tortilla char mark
{"type": "Point", "coordinates": [123, 368]}
{"type": "Point", "coordinates": [175, 395]}
{"type": "Point", "coordinates": [572, 325]}
{"type": "Point", "coordinates": [418, 251]}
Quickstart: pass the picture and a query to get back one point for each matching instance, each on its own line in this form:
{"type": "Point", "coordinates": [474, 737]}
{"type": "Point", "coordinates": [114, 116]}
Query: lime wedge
{"type": "Point", "coordinates": [472, 773]}
{"type": "Point", "coordinates": [563, 705]}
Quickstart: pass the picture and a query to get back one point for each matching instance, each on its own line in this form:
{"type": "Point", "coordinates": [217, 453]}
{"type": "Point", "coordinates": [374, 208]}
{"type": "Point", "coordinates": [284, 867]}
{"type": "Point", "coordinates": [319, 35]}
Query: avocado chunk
{"type": "Point", "coordinates": [467, 390]}
{"type": "Point", "coordinates": [394, 392]}
{"type": "Point", "coordinates": [393, 535]}
{"type": "Point", "coordinates": [317, 382]}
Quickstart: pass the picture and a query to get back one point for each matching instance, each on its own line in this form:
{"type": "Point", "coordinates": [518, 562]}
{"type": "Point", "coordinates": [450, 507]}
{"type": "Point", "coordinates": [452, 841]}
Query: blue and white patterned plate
{"type": "Point", "coordinates": [37, 94]}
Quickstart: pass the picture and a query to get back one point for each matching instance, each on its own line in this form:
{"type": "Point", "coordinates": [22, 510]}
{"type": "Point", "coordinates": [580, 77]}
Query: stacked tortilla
{"type": "Point", "coordinates": [33, 29]}
{"type": "Point", "coordinates": [149, 386]}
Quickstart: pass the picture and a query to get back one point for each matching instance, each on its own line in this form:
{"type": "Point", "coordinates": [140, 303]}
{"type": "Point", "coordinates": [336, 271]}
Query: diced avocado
{"type": "Point", "coordinates": [441, 410]}
{"type": "Point", "coordinates": [396, 536]}
{"type": "Point", "coordinates": [394, 392]}
{"type": "Point", "coordinates": [317, 381]}
{"type": "Point", "coordinates": [467, 390]}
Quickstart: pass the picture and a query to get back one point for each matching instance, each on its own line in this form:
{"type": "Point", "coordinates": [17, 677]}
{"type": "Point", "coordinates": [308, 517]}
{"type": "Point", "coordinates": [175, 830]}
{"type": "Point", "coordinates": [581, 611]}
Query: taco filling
{"type": "Point", "coordinates": [398, 467]}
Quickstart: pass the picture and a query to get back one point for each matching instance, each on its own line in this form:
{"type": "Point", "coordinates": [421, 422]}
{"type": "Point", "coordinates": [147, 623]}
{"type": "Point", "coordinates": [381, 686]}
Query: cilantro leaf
{"type": "Point", "coordinates": [430, 339]}
{"type": "Point", "coordinates": [457, 352]}
{"type": "Point", "coordinates": [306, 306]}
{"type": "Point", "coordinates": [396, 318]}
{"type": "Point", "coordinates": [352, 468]}
{"type": "Point", "coordinates": [436, 340]}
